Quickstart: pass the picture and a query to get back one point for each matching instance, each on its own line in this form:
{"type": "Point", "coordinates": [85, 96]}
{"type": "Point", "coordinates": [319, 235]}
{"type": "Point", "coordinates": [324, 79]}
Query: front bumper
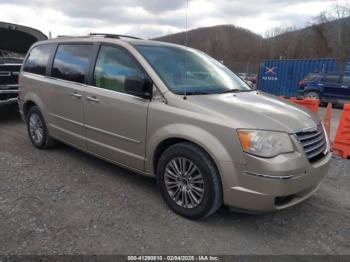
{"type": "Point", "coordinates": [8, 96]}
{"type": "Point", "coordinates": [264, 185]}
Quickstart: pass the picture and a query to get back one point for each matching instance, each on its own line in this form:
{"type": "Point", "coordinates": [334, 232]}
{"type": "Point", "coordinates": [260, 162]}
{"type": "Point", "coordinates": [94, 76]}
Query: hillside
{"type": "Point", "coordinates": [331, 39]}
{"type": "Point", "coordinates": [242, 50]}
{"type": "Point", "coordinates": [225, 42]}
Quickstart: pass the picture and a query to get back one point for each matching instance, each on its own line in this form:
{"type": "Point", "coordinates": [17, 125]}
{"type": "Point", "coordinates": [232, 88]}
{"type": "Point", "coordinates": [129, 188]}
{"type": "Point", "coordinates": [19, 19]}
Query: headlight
{"type": "Point", "coordinates": [265, 143]}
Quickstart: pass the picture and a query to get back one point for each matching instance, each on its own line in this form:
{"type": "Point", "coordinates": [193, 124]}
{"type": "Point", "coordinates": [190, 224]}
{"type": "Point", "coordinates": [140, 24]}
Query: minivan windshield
{"type": "Point", "coordinates": [191, 72]}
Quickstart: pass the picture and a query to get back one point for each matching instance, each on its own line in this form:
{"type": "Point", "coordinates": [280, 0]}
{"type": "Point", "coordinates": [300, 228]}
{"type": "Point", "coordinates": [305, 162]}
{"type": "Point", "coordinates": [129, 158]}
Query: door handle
{"type": "Point", "coordinates": [344, 86]}
{"type": "Point", "coordinates": [75, 94]}
{"type": "Point", "coordinates": [92, 99]}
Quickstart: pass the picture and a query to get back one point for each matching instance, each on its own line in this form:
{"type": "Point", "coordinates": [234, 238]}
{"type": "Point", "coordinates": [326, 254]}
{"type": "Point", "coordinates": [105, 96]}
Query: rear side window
{"type": "Point", "coordinates": [72, 62]}
{"type": "Point", "coordinates": [331, 79]}
{"type": "Point", "coordinates": [37, 60]}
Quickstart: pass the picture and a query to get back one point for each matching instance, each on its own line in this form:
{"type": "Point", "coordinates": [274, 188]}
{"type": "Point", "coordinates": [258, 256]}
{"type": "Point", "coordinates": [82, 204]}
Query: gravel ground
{"type": "Point", "coordinates": [63, 201]}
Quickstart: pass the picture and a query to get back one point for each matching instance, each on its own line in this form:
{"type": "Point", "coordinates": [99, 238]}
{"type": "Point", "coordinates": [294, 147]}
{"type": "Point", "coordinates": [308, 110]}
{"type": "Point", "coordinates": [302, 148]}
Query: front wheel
{"type": "Point", "coordinates": [312, 95]}
{"type": "Point", "coordinates": [189, 181]}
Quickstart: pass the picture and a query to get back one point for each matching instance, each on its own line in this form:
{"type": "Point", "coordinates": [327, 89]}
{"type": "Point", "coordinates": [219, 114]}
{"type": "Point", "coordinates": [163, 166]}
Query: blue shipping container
{"type": "Point", "coordinates": [281, 77]}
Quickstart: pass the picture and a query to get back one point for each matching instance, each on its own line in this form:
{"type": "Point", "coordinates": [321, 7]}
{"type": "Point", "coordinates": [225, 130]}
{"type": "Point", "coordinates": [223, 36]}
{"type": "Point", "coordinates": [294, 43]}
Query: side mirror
{"type": "Point", "coordinates": [138, 86]}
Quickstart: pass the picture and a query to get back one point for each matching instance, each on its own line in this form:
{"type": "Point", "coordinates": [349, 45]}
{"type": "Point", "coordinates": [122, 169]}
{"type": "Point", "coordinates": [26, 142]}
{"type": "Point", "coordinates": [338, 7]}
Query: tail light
{"type": "Point", "coordinates": [302, 84]}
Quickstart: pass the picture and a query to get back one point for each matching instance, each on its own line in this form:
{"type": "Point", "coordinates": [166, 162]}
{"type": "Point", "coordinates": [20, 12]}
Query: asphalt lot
{"type": "Point", "coordinates": [63, 201]}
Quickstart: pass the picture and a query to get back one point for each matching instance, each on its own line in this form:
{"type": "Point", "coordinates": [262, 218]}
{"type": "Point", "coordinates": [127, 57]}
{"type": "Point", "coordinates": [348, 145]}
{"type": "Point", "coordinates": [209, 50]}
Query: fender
{"type": "Point", "coordinates": [317, 89]}
{"type": "Point", "coordinates": [195, 134]}
{"type": "Point", "coordinates": [32, 97]}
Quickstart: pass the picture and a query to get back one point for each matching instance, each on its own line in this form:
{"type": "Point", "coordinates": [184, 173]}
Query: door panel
{"type": "Point", "coordinates": [346, 87]}
{"type": "Point", "coordinates": [66, 118]}
{"type": "Point", "coordinates": [67, 90]}
{"type": "Point", "coordinates": [116, 121]}
{"type": "Point", "coordinates": [116, 126]}
{"type": "Point", "coordinates": [331, 86]}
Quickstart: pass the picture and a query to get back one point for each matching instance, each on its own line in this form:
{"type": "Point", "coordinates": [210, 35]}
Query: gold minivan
{"type": "Point", "coordinates": [177, 114]}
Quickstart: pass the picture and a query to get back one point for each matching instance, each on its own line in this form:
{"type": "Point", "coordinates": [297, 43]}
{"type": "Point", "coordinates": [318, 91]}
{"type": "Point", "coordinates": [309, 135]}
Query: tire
{"type": "Point", "coordinates": [312, 95]}
{"type": "Point", "coordinates": [37, 130]}
{"type": "Point", "coordinates": [203, 175]}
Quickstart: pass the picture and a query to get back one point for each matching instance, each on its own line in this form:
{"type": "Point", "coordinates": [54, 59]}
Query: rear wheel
{"type": "Point", "coordinates": [189, 181]}
{"type": "Point", "coordinates": [312, 95]}
{"type": "Point", "coordinates": [37, 129]}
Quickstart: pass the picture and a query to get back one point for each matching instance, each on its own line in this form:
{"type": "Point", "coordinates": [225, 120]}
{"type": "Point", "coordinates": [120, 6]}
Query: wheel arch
{"type": "Point", "coordinates": [27, 105]}
{"type": "Point", "coordinates": [160, 141]}
{"type": "Point", "coordinates": [309, 89]}
{"type": "Point", "coordinates": [165, 144]}
{"type": "Point", "coordinates": [30, 100]}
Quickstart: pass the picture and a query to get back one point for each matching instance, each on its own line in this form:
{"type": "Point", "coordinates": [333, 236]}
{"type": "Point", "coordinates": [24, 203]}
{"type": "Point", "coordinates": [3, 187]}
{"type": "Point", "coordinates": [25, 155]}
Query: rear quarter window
{"type": "Point", "coordinates": [38, 59]}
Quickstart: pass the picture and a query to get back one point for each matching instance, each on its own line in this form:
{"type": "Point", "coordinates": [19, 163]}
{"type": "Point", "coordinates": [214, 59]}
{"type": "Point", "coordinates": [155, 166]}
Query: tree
{"type": "Point", "coordinates": [340, 10]}
{"type": "Point", "coordinates": [320, 39]}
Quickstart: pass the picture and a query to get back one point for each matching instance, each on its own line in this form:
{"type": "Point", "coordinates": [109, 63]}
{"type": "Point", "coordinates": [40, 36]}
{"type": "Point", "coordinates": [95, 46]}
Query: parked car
{"type": "Point", "coordinates": [328, 87]}
{"type": "Point", "coordinates": [174, 113]}
{"type": "Point", "coordinates": [250, 79]}
{"type": "Point", "coordinates": [9, 71]}
{"type": "Point", "coordinates": [14, 44]}
{"type": "Point", "coordinates": [243, 76]}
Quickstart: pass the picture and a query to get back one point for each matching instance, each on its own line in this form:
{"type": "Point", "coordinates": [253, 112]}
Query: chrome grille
{"type": "Point", "coordinates": [314, 143]}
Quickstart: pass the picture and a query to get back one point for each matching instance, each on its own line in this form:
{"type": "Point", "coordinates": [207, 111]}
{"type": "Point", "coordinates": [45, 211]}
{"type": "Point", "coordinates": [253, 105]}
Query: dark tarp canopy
{"type": "Point", "coordinates": [18, 38]}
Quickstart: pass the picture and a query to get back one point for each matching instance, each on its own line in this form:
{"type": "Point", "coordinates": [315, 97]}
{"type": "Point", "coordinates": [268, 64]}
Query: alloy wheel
{"type": "Point", "coordinates": [184, 182]}
{"type": "Point", "coordinates": [36, 128]}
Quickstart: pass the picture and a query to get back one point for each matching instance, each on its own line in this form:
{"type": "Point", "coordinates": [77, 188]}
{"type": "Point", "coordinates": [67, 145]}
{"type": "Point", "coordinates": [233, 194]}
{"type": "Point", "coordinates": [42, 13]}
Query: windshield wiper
{"type": "Point", "coordinates": [193, 93]}
{"type": "Point", "coordinates": [231, 91]}
{"type": "Point", "coordinates": [248, 90]}
{"type": "Point", "coordinates": [236, 91]}
{"type": "Point", "coordinates": [212, 93]}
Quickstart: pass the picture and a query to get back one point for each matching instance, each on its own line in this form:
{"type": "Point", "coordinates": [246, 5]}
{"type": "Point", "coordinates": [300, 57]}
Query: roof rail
{"type": "Point", "coordinates": [101, 35]}
{"type": "Point", "coordinates": [72, 36]}
{"type": "Point", "coordinates": [113, 35]}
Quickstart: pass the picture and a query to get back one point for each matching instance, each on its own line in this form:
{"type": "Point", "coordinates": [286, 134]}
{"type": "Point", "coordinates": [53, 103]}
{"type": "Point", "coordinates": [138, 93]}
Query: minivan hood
{"type": "Point", "coordinates": [18, 38]}
{"type": "Point", "coordinates": [256, 110]}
